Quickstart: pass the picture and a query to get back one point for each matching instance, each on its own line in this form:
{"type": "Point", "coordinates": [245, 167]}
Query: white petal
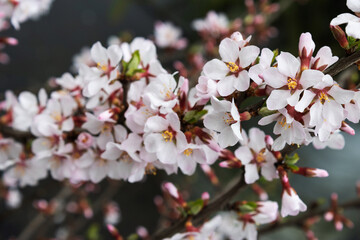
{"type": "Point", "coordinates": [226, 86]}
{"type": "Point", "coordinates": [305, 101]}
{"type": "Point", "coordinates": [288, 64]}
{"type": "Point", "coordinates": [310, 77]}
{"type": "Point", "coordinates": [242, 82]}
{"type": "Point", "coordinates": [215, 69]}
{"type": "Point", "coordinates": [98, 53]}
{"type": "Point", "coordinates": [228, 50]}
{"type": "Point", "coordinates": [278, 99]}
{"type": "Point", "coordinates": [353, 29]}
{"type": "Point", "coordinates": [343, 18]}
{"type": "Point", "coordinates": [274, 78]}
{"type": "Point", "coordinates": [251, 173]}
{"type": "Point", "coordinates": [340, 95]}
{"type": "Point", "coordinates": [248, 55]}
{"type": "Point", "coordinates": [244, 154]}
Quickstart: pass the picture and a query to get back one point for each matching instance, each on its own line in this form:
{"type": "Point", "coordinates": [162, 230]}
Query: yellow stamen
{"type": "Point", "coordinates": [167, 135]}
{"type": "Point", "coordinates": [228, 119]}
{"type": "Point", "coordinates": [323, 97]}
{"type": "Point", "coordinates": [260, 157]}
{"type": "Point", "coordinates": [232, 67]}
{"type": "Point", "coordinates": [292, 83]}
{"type": "Point", "coordinates": [102, 67]}
{"type": "Point", "coordinates": [150, 169]}
{"type": "Point", "coordinates": [284, 124]}
{"type": "Point", "coordinates": [188, 152]}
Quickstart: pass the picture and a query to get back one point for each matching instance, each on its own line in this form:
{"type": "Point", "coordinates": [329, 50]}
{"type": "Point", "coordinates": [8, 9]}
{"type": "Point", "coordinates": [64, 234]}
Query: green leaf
{"type": "Point", "coordinates": [276, 53]}
{"type": "Point", "coordinates": [133, 64]}
{"type": "Point", "coordinates": [264, 111]}
{"type": "Point", "coordinates": [133, 236]}
{"type": "Point", "coordinates": [293, 167]}
{"type": "Point", "coordinates": [292, 160]}
{"type": "Point", "coordinates": [93, 232]}
{"type": "Point", "coordinates": [194, 116]}
{"type": "Point", "coordinates": [248, 207]}
{"type": "Point", "coordinates": [195, 206]}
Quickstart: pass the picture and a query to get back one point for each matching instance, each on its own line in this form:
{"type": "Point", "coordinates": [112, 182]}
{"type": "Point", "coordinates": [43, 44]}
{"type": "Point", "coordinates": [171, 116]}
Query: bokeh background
{"type": "Point", "coordinates": [48, 45]}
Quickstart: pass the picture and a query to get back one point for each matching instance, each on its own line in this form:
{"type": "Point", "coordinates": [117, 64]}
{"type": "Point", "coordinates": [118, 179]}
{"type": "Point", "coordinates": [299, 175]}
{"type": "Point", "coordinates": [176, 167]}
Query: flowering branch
{"type": "Point", "coordinates": [343, 64]}
{"type": "Point", "coordinates": [215, 205]}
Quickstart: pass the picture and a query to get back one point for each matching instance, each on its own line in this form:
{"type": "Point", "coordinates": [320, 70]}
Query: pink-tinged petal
{"type": "Point", "coordinates": [278, 99]}
{"type": "Point", "coordinates": [156, 124]}
{"type": "Point", "coordinates": [327, 81]}
{"type": "Point", "coordinates": [291, 204]}
{"type": "Point", "coordinates": [132, 143]}
{"type": "Point", "coordinates": [254, 73]}
{"type": "Point", "coordinates": [340, 95]}
{"type": "Point", "coordinates": [120, 133]}
{"type": "Point", "coordinates": [236, 130]}
{"type": "Point", "coordinates": [248, 55]}
{"type": "Point", "coordinates": [251, 173]}
{"type": "Point", "coordinates": [353, 29]}
{"type": "Point", "coordinates": [67, 125]}
{"type": "Point", "coordinates": [288, 64]}
{"type": "Point", "coordinates": [228, 50]}
{"type": "Point", "coordinates": [28, 101]}
{"type": "Point", "coordinates": [343, 18]}
{"type": "Point", "coordinates": [279, 144]}
{"type": "Point", "coordinates": [310, 78]}
{"type": "Point", "coordinates": [244, 154]}
{"type": "Point", "coordinates": [227, 138]}
{"type": "Point", "coordinates": [174, 121]}
{"type": "Point", "coordinates": [325, 57]}
{"type": "Point", "coordinates": [214, 121]}
{"type": "Point", "coordinates": [226, 86]}
{"type": "Point", "coordinates": [168, 153]}
{"type": "Point", "coordinates": [92, 124]}
{"type": "Point", "coordinates": [187, 166]}
{"type": "Point", "coordinates": [307, 43]}
{"type": "Point", "coordinates": [215, 69]}
{"type": "Point", "coordinates": [266, 57]}
{"type": "Point", "coordinates": [85, 160]}
{"type": "Point", "coordinates": [305, 101]}
{"type": "Point", "coordinates": [242, 82]}
{"type": "Point", "coordinates": [269, 172]}
{"type": "Point", "coordinates": [336, 141]}
{"type": "Point", "coordinates": [257, 139]}
{"type": "Point", "coordinates": [352, 112]}
{"type": "Point", "coordinates": [99, 54]}
{"type": "Point", "coordinates": [220, 106]}
{"type": "Point", "coordinates": [315, 114]}
{"type": "Point", "coordinates": [98, 171]}
{"type": "Point", "coordinates": [114, 53]}
{"type": "Point", "coordinates": [333, 113]}
{"type": "Point", "coordinates": [268, 119]}
{"type": "Point", "coordinates": [274, 78]}
{"type": "Point", "coordinates": [103, 139]}
{"type": "Point", "coordinates": [152, 142]}
{"type": "Point", "coordinates": [94, 87]}
{"type": "Point", "coordinates": [354, 5]}
{"type": "Point", "coordinates": [294, 98]}
{"type": "Point", "coordinates": [112, 151]}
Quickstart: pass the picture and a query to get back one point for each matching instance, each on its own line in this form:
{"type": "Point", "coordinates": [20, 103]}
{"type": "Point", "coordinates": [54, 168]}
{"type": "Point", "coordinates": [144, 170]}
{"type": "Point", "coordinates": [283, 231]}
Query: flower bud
{"type": "Point", "coordinates": [346, 128]}
{"type": "Point", "coordinates": [340, 36]}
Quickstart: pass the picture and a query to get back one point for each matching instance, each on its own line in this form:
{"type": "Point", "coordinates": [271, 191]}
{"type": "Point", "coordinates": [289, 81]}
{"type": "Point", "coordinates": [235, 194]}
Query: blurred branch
{"type": "Point", "coordinates": [298, 221]}
{"type": "Point", "coordinates": [217, 204]}
{"type": "Point", "coordinates": [40, 218]}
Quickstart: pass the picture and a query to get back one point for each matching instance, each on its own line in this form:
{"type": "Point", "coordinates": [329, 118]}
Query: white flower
{"type": "Point", "coordinates": [257, 70]}
{"type": "Point", "coordinates": [225, 119]}
{"type": "Point", "coordinates": [231, 70]}
{"type": "Point", "coordinates": [160, 93]}
{"type": "Point", "coordinates": [205, 89]}
{"type": "Point", "coordinates": [164, 137]}
{"type": "Point", "coordinates": [253, 154]}
{"type": "Point", "coordinates": [214, 24]}
{"type": "Point", "coordinates": [168, 36]}
{"type": "Point", "coordinates": [335, 141]}
{"type": "Point", "coordinates": [291, 204]}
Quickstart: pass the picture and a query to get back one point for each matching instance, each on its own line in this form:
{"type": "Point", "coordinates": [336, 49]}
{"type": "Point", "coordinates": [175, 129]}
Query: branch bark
{"type": "Point", "coordinates": [215, 205]}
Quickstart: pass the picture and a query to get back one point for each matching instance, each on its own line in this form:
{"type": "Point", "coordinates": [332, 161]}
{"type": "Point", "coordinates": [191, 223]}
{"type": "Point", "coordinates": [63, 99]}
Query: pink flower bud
{"type": "Point", "coordinates": [84, 140]}
{"type": "Point", "coordinates": [142, 232]}
{"type": "Point", "coordinates": [205, 196]}
{"type": "Point", "coordinates": [346, 128]}
{"type": "Point", "coordinates": [171, 189]}
{"type": "Point", "coordinates": [329, 216]}
{"type": "Point", "coordinates": [339, 225]}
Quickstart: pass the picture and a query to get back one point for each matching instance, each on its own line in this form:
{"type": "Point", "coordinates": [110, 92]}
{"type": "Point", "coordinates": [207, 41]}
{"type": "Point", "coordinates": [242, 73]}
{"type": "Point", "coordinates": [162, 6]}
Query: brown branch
{"type": "Point", "coordinates": [343, 64]}
{"type": "Point", "coordinates": [298, 221]}
{"type": "Point", "coordinates": [215, 205]}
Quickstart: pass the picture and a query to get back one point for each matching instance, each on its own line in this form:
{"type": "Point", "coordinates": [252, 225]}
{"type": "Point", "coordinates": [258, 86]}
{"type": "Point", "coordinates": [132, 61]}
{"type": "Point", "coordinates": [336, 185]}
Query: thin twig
{"type": "Point", "coordinates": [298, 221]}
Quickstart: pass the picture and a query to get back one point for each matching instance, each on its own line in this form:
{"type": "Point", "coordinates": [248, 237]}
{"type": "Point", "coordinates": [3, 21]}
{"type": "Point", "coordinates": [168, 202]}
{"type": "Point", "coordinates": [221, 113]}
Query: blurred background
{"type": "Point", "coordinates": [46, 49]}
